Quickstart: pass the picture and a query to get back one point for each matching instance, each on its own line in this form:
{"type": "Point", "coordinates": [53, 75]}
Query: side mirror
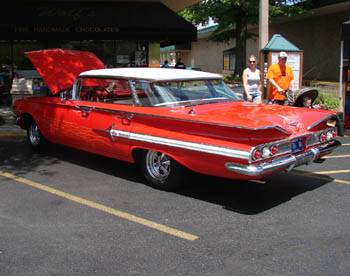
{"type": "Point", "coordinates": [63, 96]}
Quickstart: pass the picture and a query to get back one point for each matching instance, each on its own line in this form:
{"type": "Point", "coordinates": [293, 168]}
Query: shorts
{"type": "Point", "coordinates": [255, 97]}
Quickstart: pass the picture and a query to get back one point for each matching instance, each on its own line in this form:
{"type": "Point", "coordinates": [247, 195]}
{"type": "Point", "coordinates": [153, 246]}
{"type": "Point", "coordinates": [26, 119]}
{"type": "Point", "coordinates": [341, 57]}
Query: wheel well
{"type": "Point", "coordinates": [26, 120]}
{"type": "Point", "coordinates": [137, 154]}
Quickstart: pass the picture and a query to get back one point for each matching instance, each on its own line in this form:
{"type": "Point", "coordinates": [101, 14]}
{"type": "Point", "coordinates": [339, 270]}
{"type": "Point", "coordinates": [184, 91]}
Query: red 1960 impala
{"type": "Point", "coordinates": [168, 120]}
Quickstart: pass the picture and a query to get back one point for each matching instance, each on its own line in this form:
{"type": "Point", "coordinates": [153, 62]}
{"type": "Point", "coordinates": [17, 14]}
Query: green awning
{"type": "Point", "coordinates": [176, 47]}
{"type": "Point", "coordinates": [279, 43]}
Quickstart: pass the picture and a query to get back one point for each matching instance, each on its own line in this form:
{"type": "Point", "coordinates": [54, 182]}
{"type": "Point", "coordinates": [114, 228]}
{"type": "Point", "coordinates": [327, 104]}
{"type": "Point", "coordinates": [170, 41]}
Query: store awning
{"type": "Point", "coordinates": [345, 31]}
{"type": "Point", "coordinates": [149, 21]}
{"type": "Point", "coordinates": [345, 37]}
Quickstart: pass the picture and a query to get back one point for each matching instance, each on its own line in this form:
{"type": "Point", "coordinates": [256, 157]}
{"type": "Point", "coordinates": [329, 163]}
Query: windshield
{"type": "Point", "coordinates": [185, 92]}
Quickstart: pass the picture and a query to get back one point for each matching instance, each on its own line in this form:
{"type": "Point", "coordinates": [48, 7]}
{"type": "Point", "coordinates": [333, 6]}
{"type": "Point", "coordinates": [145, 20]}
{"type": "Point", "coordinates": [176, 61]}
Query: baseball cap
{"type": "Point", "coordinates": [283, 55]}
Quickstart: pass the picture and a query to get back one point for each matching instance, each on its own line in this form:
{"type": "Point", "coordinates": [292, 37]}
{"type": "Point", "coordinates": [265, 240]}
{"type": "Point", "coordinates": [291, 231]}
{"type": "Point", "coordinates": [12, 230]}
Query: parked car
{"type": "Point", "coordinates": [168, 120]}
{"type": "Point", "coordinates": [27, 83]}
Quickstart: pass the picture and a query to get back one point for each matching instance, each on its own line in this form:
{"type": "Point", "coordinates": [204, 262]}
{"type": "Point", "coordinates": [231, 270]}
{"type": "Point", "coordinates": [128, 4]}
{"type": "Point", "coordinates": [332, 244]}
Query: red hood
{"type": "Point", "coordinates": [60, 67]}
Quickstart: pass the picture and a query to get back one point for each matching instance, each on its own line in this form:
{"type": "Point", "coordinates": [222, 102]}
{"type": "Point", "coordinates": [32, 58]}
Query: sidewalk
{"type": "Point", "coordinates": [8, 123]}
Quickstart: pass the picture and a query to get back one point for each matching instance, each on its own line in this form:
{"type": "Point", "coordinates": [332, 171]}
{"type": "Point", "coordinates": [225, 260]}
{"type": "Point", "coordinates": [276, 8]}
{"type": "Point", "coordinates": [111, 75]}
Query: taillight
{"type": "Point", "coordinates": [265, 152]}
{"type": "Point", "coordinates": [329, 135]}
{"type": "Point", "coordinates": [257, 154]}
{"type": "Point", "coordinates": [334, 133]}
{"type": "Point", "coordinates": [274, 150]}
{"type": "Point", "coordinates": [323, 137]}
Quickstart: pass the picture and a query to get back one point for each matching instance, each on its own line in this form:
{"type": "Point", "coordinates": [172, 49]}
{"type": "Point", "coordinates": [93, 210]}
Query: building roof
{"type": "Point", "coordinates": [279, 43]}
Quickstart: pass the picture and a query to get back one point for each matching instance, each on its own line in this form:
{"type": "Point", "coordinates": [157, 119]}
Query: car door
{"type": "Point", "coordinates": [106, 116]}
{"type": "Point", "coordinates": [69, 122]}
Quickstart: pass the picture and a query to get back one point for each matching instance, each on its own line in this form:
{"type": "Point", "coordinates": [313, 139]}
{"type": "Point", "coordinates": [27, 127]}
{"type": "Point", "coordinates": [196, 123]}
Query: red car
{"type": "Point", "coordinates": [168, 120]}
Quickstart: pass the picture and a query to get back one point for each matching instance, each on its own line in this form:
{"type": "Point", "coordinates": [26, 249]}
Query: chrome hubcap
{"type": "Point", "coordinates": [158, 165]}
{"type": "Point", "coordinates": [34, 134]}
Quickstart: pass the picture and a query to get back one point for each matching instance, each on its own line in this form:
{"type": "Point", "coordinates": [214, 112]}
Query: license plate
{"type": "Point", "coordinates": [297, 146]}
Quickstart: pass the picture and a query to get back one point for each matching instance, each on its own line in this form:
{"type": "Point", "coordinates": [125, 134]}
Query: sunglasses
{"type": "Point", "coordinates": [252, 61]}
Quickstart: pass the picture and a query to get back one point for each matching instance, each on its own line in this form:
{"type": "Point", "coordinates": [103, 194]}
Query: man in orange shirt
{"type": "Point", "coordinates": [280, 77]}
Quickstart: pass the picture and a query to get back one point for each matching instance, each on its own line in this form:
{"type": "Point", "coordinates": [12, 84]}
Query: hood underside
{"type": "Point", "coordinates": [60, 67]}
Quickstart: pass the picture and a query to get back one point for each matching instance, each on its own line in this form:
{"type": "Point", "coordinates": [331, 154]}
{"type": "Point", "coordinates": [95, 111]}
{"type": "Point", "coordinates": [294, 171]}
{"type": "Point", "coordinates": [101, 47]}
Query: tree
{"type": "Point", "coordinates": [234, 17]}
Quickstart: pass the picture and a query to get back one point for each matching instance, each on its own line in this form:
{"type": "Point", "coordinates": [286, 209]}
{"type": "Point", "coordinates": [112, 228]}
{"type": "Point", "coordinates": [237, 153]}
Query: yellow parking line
{"type": "Point", "coordinates": [345, 144]}
{"type": "Point", "coordinates": [320, 176]}
{"type": "Point", "coordinates": [332, 172]}
{"type": "Point", "coordinates": [103, 208]}
{"type": "Point", "coordinates": [336, 156]}
{"type": "Point", "coordinates": [341, 181]}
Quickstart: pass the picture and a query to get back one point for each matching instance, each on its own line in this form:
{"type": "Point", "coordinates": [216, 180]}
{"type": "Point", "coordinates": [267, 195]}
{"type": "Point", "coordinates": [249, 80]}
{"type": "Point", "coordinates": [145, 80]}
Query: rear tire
{"type": "Point", "coordinates": [161, 171]}
{"type": "Point", "coordinates": [35, 139]}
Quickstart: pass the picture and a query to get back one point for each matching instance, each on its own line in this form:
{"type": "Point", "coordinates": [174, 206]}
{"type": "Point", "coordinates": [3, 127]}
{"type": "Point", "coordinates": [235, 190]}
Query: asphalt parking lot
{"type": "Point", "coordinates": [67, 212]}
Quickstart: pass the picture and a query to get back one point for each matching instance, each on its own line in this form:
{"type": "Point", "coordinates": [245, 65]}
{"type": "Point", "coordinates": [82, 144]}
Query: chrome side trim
{"type": "Point", "coordinates": [223, 151]}
{"type": "Point", "coordinates": [288, 162]}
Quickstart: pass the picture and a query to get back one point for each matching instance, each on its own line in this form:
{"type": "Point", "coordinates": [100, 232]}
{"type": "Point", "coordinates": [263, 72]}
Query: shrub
{"type": "Point", "coordinates": [329, 101]}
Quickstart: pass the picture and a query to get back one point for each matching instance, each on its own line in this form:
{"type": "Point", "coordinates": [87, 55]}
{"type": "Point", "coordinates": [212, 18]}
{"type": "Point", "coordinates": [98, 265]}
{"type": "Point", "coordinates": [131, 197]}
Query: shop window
{"type": "Point", "coordinates": [229, 58]}
{"type": "Point", "coordinates": [113, 53]}
{"type": "Point", "coordinates": [20, 60]}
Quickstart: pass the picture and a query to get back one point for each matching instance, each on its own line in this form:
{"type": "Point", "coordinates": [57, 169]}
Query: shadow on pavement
{"type": "Point", "coordinates": [251, 198]}
{"type": "Point", "coordinates": [243, 197]}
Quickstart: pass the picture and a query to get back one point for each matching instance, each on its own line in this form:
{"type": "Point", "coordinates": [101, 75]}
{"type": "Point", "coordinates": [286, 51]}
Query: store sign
{"type": "Point", "coordinates": [74, 13]}
{"type": "Point", "coordinates": [66, 29]}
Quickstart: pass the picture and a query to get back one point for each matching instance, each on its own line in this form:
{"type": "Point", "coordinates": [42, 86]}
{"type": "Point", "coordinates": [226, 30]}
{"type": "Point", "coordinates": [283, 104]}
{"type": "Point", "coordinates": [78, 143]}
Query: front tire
{"type": "Point", "coordinates": [35, 139]}
{"type": "Point", "coordinates": [161, 171]}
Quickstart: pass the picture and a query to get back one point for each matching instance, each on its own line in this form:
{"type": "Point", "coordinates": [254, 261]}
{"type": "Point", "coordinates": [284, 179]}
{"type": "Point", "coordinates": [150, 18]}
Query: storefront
{"type": "Point", "coordinates": [120, 33]}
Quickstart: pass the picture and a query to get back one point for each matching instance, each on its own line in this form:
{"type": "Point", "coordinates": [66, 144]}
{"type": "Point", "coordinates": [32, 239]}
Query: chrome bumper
{"type": "Point", "coordinates": [287, 162]}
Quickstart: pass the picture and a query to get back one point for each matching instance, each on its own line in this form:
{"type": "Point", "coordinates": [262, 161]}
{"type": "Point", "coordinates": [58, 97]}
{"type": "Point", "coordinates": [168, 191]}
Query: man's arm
{"type": "Point", "coordinates": [292, 85]}
{"type": "Point", "coordinates": [279, 89]}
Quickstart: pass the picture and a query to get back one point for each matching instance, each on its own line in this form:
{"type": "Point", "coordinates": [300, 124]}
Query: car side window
{"type": "Point", "coordinates": [105, 90]}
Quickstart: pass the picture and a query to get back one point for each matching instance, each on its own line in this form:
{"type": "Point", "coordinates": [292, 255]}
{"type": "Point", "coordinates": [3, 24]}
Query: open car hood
{"type": "Point", "coordinates": [60, 67]}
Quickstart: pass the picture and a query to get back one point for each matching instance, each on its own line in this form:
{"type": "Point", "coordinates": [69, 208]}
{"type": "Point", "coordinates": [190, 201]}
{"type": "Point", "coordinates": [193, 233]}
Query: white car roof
{"type": "Point", "coordinates": [151, 74]}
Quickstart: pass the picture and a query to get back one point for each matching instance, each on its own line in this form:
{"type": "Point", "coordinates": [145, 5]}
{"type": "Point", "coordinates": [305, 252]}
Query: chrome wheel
{"type": "Point", "coordinates": [35, 138]}
{"type": "Point", "coordinates": [161, 171]}
{"type": "Point", "coordinates": [34, 134]}
{"type": "Point", "coordinates": [158, 165]}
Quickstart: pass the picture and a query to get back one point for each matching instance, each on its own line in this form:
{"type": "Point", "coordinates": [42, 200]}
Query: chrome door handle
{"type": "Point", "coordinates": [85, 110]}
